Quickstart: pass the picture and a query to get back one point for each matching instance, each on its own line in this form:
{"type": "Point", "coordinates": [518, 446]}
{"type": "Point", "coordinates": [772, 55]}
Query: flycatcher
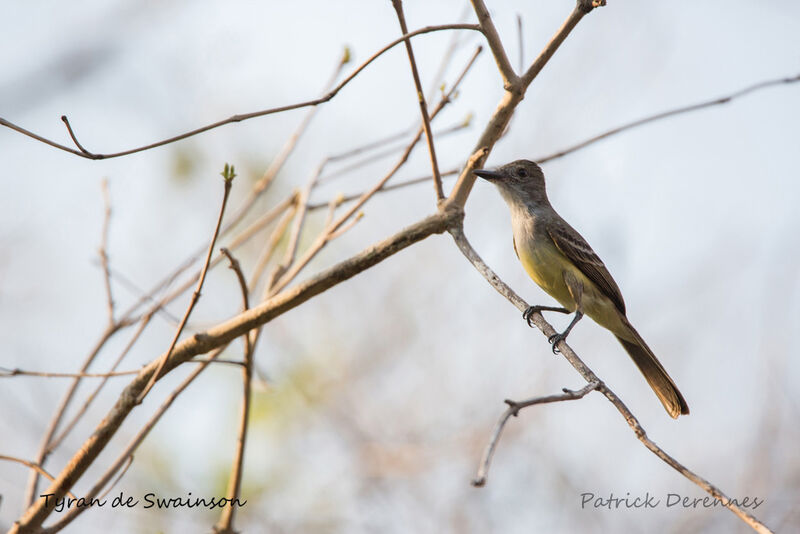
{"type": "Point", "coordinates": [562, 263]}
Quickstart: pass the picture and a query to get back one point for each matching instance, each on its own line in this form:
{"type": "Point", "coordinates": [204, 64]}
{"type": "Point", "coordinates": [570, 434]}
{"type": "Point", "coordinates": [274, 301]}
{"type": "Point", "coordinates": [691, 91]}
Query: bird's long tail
{"type": "Point", "coordinates": [655, 374]}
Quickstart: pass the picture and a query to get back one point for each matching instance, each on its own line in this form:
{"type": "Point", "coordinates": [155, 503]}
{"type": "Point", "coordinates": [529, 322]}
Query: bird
{"type": "Point", "coordinates": [563, 264]}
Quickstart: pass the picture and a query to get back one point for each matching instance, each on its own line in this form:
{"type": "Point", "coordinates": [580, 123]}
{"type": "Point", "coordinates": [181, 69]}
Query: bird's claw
{"type": "Point", "coordinates": [554, 339]}
{"type": "Point", "coordinates": [527, 315]}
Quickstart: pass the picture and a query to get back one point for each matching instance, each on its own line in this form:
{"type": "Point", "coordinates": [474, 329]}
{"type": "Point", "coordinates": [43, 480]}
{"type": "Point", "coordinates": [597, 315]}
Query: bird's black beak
{"type": "Point", "coordinates": [488, 174]}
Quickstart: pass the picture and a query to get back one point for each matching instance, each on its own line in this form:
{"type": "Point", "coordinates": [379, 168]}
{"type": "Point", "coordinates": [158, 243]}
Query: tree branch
{"type": "Point", "coordinates": [225, 523]}
{"type": "Point", "coordinates": [670, 113]}
{"type": "Point", "coordinates": [588, 375]}
{"type": "Point", "coordinates": [219, 336]}
{"type": "Point", "coordinates": [227, 175]}
{"type": "Point", "coordinates": [495, 44]}
{"type": "Point", "coordinates": [513, 409]}
{"type": "Point", "coordinates": [82, 152]}
{"type": "Point", "coordinates": [423, 107]}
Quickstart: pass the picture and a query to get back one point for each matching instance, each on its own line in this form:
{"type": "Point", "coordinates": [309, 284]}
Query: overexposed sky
{"type": "Point", "coordinates": [383, 390]}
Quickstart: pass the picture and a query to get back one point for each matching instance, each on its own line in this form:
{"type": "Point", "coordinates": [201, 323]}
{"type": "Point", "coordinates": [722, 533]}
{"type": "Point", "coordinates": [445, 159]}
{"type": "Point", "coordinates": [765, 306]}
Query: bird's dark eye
{"type": "Point", "coordinates": [522, 172]}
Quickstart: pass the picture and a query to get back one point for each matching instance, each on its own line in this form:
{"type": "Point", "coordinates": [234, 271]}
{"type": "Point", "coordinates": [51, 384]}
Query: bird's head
{"type": "Point", "coordinates": [520, 180]}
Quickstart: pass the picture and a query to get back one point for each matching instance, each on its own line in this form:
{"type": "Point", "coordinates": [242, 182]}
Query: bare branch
{"type": "Point", "coordinates": [513, 409]}
{"type": "Point", "coordinates": [588, 375]}
{"type": "Point", "coordinates": [582, 7]}
{"type": "Point", "coordinates": [423, 107]}
{"type": "Point", "coordinates": [235, 118]}
{"type": "Point", "coordinates": [495, 44]}
{"type": "Point", "coordinates": [55, 442]}
{"type": "Point", "coordinates": [5, 373]}
{"type": "Point", "coordinates": [225, 523]}
{"type": "Point", "coordinates": [228, 175]}
{"type": "Point", "coordinates": [520, 43]}
{"type": "Point", "coordinates": [220, 336]}
{"type": "Point", "coordinates": [347, 226]}
{"type": "Point", "coordinates": [388, 152]}
{"type": "Point", "coordinates": [384, 189]}
{"type": "Point", "coordinates": [121, 474]}
{"type": "Point", "coordinates": [36, 467]}
{"type": "Point", "coordinates": [671, 113]}
{"type": "Point", "coordinates": [271, 246]}
{"type": "Point", "coordinates": [104, 252]}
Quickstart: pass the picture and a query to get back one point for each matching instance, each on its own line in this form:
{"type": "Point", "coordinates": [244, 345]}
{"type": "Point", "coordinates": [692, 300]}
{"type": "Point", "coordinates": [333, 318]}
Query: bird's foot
{"type": "Point", "coordinates": [555, 338]}
{"type": "Point", "coordinates": [536, 309]}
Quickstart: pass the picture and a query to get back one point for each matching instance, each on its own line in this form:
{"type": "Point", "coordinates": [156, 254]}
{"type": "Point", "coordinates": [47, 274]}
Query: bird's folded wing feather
{"type": "Point", "coordinates": [578, 251]}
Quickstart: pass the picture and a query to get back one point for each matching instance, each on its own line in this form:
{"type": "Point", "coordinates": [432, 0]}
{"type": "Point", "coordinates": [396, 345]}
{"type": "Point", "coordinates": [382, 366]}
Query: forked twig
{"type": "Point", "coordinates": [513, 409]}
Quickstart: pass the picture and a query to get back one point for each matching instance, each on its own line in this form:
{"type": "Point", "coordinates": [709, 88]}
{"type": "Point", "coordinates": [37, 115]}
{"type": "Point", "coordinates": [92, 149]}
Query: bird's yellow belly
{"type": "Point", "coordinates": [546, 267]}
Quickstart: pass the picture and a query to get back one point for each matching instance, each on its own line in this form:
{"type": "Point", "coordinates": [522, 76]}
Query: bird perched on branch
{"type": "Point", "coordinates": [562, 263]}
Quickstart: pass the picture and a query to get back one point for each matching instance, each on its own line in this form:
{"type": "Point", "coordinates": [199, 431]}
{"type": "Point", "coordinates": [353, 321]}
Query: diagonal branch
{"type": "Point", "coordinates": [493, 38]}
{"type": "Point", "coordinates": [423, 107]}
{"type": "Point", "coordinates": [221, 335]}
{"type": "Point", "coordinates": [588, 375]}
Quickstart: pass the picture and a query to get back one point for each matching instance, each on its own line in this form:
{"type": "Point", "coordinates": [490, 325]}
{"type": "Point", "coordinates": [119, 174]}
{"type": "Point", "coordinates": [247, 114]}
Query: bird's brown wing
{"type": "Point", "coordinates": [578, 251]}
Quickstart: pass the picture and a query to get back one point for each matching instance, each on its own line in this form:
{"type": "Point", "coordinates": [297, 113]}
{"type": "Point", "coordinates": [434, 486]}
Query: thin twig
{"type": "Point", "coordinates": [495, 44]}
{"type": "Point", "coordinates": [423, 106]}
{"type": "Point", "coordinates": [258, 189]}
{"type": "Point", "coordinates": [36, 467]}
{"type": "Point", "coordinates": [227, 182]}
{"type": "Point", "coordinates": [225, 523]}
{"type": "Point", "coordinates": [513, 409]}
{"type": "Point", "coordinates": [591, 378]}
{"type": "Point", "coordinates": [104, 251]}
{"type": "Point", "coordinates": [345, 227]}
{"type": "Point", "coordinates": [76, 417]}
{"type": "Point", "coordinates": [82, 152]}
{"type": "Point", "coordinates": [300, 219]}
{"type": "Point", "coordinates": [671, 113]}
{"type": "Point", "coordinates": [447, 57]}
{"type": "Point", "coordinates": [520, 44]}
{"type": "Point", "coordinates": [325, 236]}
{"type": "Point", "coordinates": [388, 152]}
{"type": "Point", "coordinates": [5, 373]}
{"type": "Point", "coordinates": [52, 426]}
{"type": "Point", "coordinates": [242, 238]}
{"type": "Point", "coordinates": [342, 199]}
{"type": "Point", "coordinates": [121, 474]}
{"type": "Point", "coordinates": [271, 246]}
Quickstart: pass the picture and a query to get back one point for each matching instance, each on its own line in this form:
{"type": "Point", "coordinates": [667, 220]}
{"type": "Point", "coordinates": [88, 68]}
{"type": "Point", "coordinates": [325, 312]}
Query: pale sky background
{"type": "Point", "coordinates": [383, 391]}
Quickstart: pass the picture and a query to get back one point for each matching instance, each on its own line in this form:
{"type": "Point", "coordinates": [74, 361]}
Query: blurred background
{"type": "Point", "coordinates": [375, 399]}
